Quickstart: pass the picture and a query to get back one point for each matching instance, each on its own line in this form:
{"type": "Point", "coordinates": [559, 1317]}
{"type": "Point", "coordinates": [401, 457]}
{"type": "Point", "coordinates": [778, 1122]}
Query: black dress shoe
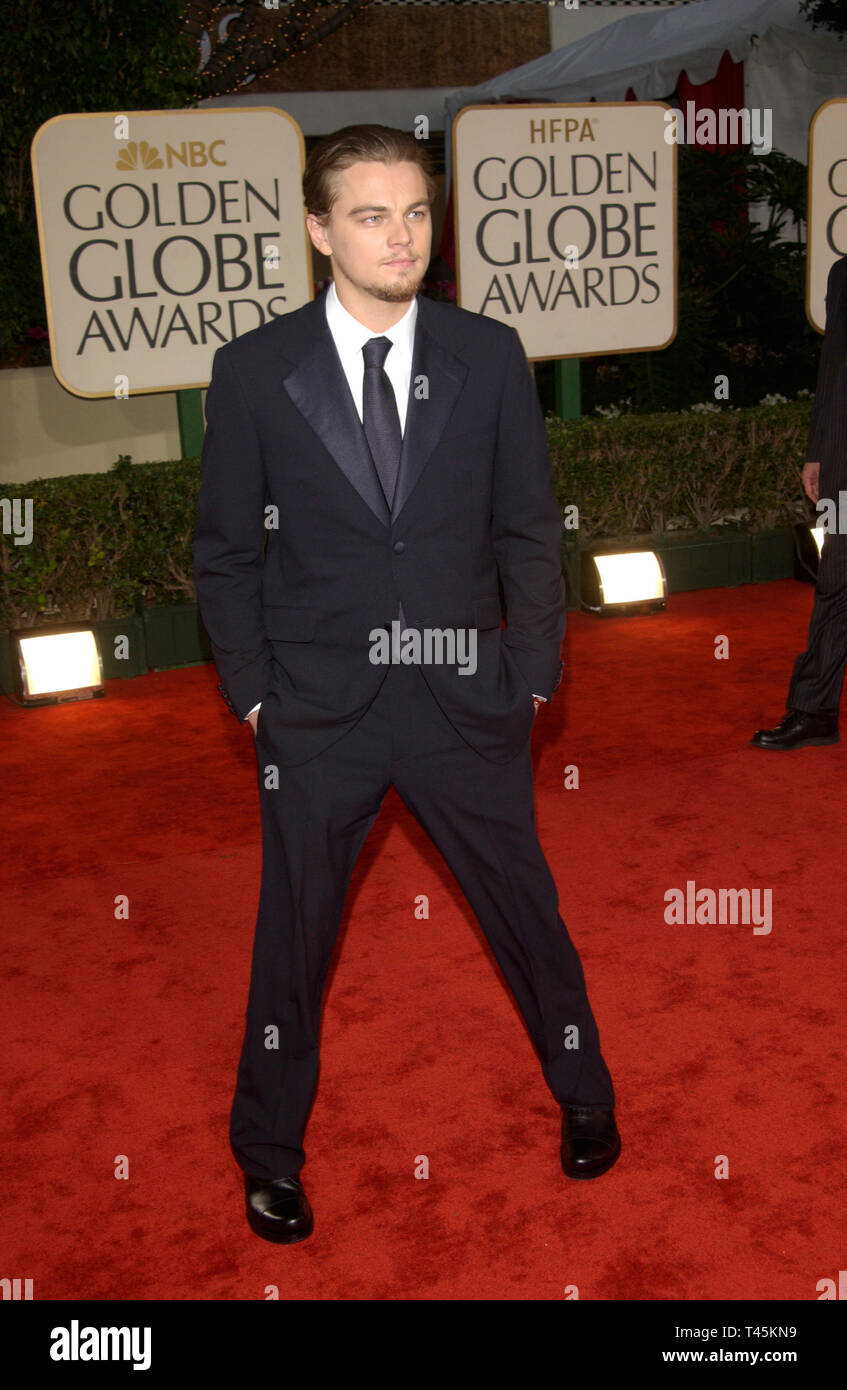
{"type": "Point", "coordinates": [278, 1210]}
{"type": "Point", "coordinates": [590, 1141]}
{"type": "Point", "coordinates": [799, 730]}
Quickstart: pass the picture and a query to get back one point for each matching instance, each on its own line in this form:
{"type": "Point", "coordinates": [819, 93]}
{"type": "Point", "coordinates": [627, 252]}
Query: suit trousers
{"type": "Point", "coordinates": [818, 673]}
{"type": "Point", "coordinates": [481, 816]}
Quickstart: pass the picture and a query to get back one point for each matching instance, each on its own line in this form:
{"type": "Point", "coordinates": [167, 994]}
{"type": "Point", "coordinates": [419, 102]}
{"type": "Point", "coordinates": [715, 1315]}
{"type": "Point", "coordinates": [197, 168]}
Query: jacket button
{"type": "Point", "coordinates": [399, 547]}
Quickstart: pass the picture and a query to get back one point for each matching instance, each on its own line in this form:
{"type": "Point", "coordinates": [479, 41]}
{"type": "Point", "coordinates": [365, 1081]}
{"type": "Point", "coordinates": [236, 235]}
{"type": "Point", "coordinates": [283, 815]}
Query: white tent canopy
{"type": "Point", "coordinates": [788, 66]}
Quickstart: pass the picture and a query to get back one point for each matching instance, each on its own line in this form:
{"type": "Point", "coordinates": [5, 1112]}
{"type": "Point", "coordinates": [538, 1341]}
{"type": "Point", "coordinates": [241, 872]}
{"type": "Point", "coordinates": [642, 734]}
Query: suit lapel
{"type": "Point", "coordinates": [436, 381]}
{"type": "Point", "coordinates": [438, 376]}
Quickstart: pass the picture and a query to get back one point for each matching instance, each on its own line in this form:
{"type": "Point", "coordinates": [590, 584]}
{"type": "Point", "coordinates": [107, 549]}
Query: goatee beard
{"type": "Point", "coordinates": [398, 293]}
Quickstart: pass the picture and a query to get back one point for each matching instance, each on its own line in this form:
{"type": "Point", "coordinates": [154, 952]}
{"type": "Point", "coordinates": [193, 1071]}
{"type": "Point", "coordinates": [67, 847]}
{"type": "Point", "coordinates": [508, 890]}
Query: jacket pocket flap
{"type": "Point", "coordinates": [290, 624]}
{"type": "Point", "coordinates": [486, 612]}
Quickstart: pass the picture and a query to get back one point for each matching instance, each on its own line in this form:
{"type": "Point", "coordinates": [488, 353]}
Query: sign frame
{"type": "Point", "coordinates": [833, 101]}
{"type": "Point", "coordinates": [204, 112]}
{"type": "Point", "coordinates": [569, 106]}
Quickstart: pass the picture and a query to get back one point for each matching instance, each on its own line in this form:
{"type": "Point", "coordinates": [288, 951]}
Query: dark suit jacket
{"type": "Point", "coordinates": [828, 429]}
{"type": "Point", "coordinates": [289, 607]}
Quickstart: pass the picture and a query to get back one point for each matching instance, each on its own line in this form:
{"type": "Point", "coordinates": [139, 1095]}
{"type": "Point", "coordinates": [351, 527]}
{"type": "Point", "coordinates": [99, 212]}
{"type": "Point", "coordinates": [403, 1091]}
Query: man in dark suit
{"type": "Point", "coordinates": [373, 462]}
{"type": "Point", "coordinates": [814, 694]}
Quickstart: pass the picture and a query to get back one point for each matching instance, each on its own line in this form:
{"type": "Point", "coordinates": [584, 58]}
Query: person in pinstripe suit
{"type": "Point", "coordinates": [814, 692]}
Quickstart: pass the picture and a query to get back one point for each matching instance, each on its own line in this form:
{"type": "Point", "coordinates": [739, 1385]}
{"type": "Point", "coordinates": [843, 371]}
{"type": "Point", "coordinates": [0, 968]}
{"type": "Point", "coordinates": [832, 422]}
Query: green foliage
{"type": "Point", "coordinates": [741, 291]}
{"type": "Point", "coordinates": [105, 542]}
{"type": "Point", "coordinates": [102, 542]}
{"type": "Point", "coordinates": [648, 474]}
{"type": "Point", "coordinates": [92, 55]}
{"type": "Point", "coordinates": [826, 14]}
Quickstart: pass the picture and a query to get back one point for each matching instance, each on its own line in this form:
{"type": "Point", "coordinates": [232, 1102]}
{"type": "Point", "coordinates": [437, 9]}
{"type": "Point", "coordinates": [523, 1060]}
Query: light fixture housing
{"type": "Point", "coordinates": [808, 543]}
{"type": "Point", "coordinates": [623, 579]}
{"type": "Point", "coordinates": [57, 663]}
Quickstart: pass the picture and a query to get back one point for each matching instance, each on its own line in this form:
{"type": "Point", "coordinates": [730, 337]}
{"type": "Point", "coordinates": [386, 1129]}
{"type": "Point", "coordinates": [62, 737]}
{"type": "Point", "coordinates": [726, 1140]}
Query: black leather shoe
{"type": "Point", "coordinates": [590, 1141]}
{"type": "Point", "coordinates": [799, 730]}
{"type": "Point", "coordinates": [278, 1210]}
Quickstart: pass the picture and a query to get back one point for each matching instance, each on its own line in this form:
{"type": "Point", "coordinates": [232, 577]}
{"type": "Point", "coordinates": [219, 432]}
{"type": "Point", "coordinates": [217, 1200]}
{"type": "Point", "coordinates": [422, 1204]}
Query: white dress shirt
{"type": "Point", "coordinates": [350, 336]}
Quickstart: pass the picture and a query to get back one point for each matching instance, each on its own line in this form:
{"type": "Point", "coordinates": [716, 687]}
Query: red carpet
{"type": "Point", "coordinates": [123, 1034]}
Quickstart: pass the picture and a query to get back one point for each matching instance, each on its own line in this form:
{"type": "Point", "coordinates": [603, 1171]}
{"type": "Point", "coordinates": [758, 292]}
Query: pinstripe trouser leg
{"type": "Point", "coordinates": [818, 673]}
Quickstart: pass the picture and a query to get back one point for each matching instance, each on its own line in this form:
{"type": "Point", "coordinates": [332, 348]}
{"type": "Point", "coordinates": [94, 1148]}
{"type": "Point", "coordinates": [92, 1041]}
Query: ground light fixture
{"type": "Point", "coordinates": [619, 581]}
{"type": "Point", "coordinates": [57, 663]}
{"type": "Point", "coordinates": [808, 543]}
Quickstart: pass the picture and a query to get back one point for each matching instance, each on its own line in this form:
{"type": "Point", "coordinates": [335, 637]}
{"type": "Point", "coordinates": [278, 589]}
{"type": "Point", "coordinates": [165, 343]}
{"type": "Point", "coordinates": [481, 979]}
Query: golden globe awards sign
{"type": "Point", "coordinates": [827, 203]}
{"type": "Point", "coordinates": [163, 235]}
{"type": "Point", "coordinates": [566, 224]}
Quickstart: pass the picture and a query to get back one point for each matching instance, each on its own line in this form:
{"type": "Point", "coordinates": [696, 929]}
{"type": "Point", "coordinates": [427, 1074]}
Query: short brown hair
{"type": "Point", "coordinates": [381, 143]}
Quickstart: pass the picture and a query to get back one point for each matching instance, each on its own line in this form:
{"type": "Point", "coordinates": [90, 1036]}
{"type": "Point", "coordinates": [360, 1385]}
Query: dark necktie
{"type": "Point", "coordinates": [380, 417]}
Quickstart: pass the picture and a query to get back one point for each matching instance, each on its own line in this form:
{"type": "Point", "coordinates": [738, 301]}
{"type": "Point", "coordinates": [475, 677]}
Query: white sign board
{"type": "Point", "coordinates": [827, 203]}
{"type": "Point", "coordinates": [164, 234]}
{"type": "Point", "coordinates": [566, 224]}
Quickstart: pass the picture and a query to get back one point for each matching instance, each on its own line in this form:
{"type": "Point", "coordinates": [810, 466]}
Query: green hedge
{"type": "Point", "coordinates": [103, 543]}
{"type": "Point", "coordinates": [647, 474]}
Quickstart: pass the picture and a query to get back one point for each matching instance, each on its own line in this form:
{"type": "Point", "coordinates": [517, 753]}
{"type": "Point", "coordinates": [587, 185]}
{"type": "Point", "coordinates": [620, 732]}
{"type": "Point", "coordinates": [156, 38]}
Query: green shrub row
{"type": "Point", "coordinates": [648, 474]}
{"type": "Point", "coordinates": [104, 543]}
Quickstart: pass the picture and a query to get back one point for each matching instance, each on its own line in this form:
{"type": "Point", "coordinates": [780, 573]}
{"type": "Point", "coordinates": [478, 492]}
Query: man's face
{"type": "Point", "coordinates": [379, 231]}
